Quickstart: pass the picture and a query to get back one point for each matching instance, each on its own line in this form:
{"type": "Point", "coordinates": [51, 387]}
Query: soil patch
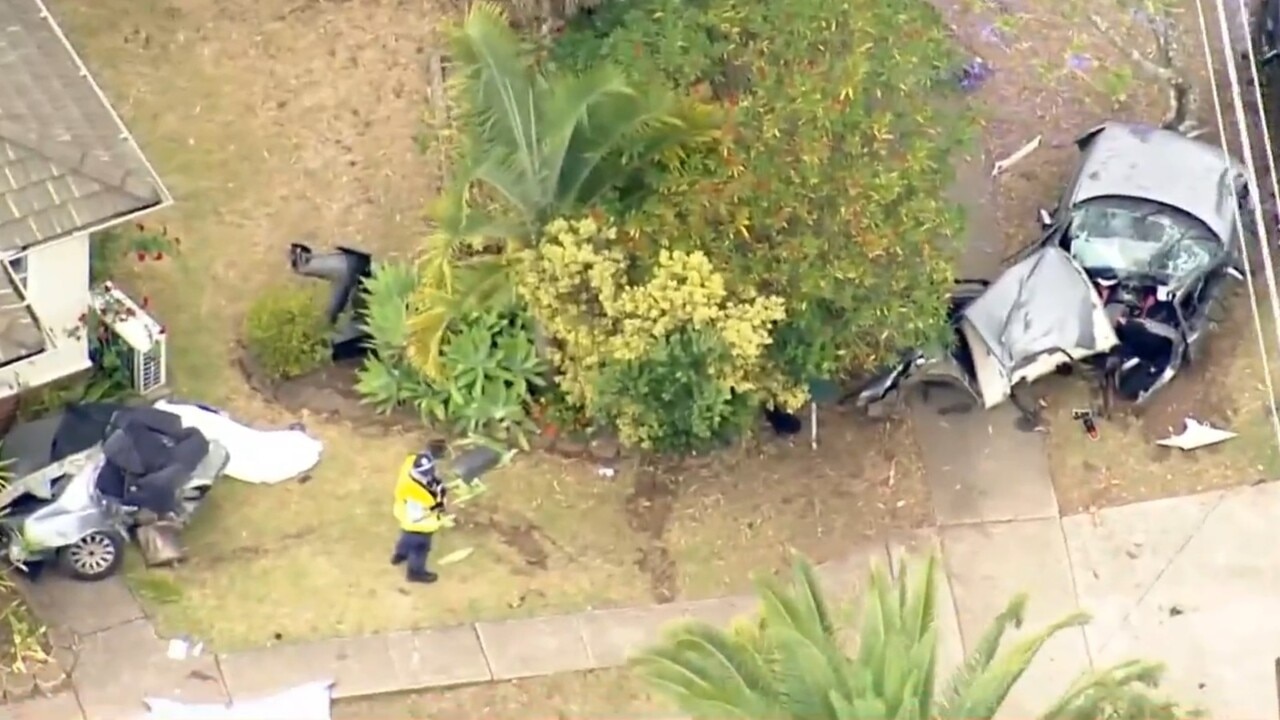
{"type": "Point", "coordinates": [649, 507]}
{"type": "Point", "coordinates": [329, 392]}
{"type": "Point", "coordinates": [523, 537]}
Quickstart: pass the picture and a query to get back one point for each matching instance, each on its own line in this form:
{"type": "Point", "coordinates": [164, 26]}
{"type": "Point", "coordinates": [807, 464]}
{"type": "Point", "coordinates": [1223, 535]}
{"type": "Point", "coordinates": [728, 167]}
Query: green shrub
{"type": "Point", "coordinates": [489, 364]}
{"type": "Point", "coordinates": [286, 332]}
{"type": "Point", "coordinates": [670, 400]}
{"type": "Point", "coordinates": [828, 188]}
{"type": "Point", "coordinates": [670, 354]}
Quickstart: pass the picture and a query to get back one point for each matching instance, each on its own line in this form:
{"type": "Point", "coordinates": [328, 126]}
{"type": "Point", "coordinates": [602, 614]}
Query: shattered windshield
{"type": "Point", "coordinates": [1122, 238]}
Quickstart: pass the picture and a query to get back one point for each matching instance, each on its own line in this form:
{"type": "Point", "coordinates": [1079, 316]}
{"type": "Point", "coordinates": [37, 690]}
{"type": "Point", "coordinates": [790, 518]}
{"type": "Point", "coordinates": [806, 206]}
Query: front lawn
{"type": "Point", "coordinates": [275, 122]}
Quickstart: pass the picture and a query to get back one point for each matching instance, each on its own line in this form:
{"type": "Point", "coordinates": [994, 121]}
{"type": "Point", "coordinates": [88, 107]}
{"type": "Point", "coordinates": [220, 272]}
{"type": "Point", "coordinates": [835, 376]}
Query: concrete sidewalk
{"type": "Point", "coordinates": [121, 659]}
{"type": "Point", "coordinates": [1187, 581]}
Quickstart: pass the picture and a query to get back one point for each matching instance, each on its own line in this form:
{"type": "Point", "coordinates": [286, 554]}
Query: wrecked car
{"type": "Point", "coordinates": [1126, 278]}
{"type": "Point", "coordinates": [92, 475]}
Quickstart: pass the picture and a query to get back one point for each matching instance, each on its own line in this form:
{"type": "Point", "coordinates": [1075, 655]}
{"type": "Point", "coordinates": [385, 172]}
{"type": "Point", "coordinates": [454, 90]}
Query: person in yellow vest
{"type": "Point", "coordinates": [419, 508]}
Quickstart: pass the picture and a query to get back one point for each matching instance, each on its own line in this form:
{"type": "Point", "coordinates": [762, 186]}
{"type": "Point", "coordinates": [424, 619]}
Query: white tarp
{"type": "Point", "coordinates": [305, 702]}
{"type": "Point", "coordinates": [262, 457]}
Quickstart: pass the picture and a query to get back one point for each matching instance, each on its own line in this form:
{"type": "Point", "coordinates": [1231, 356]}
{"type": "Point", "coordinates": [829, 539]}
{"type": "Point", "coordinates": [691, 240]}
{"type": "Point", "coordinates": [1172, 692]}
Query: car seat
{"type": "Point", "coordinates": [1146, 352]}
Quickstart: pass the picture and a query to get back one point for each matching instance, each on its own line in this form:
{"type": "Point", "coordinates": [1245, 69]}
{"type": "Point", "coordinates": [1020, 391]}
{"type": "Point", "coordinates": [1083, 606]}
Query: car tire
{"type": "Point", "coordinates": [96, 556]}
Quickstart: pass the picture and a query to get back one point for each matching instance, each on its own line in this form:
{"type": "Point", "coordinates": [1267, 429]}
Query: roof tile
{"type": "Point", "coordinates": [60, 142]}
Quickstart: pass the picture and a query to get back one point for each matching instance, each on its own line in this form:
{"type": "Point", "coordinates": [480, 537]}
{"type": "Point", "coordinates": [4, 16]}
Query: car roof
{"type": "Point", "coordinates": [1129, 160]}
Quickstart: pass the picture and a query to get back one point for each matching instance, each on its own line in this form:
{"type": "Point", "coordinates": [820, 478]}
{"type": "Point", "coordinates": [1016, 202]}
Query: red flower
{"type": "Point", "coordinates": [158, 256]}
{"type": "Point", "coordinates": [142, 256]}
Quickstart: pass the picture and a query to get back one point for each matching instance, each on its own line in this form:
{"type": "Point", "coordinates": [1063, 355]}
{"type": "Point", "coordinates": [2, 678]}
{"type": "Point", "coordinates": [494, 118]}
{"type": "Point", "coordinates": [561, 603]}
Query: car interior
{"type": "Point", "coordinates": [1147, 349]}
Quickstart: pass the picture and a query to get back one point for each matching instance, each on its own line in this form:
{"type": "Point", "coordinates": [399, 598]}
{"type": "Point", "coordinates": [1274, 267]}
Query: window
{"type": "Point", "coordinates": [18, 264]}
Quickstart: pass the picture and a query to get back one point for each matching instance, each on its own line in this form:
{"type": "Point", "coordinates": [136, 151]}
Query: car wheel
{"type": "Point", "coordinates": [96, 556]}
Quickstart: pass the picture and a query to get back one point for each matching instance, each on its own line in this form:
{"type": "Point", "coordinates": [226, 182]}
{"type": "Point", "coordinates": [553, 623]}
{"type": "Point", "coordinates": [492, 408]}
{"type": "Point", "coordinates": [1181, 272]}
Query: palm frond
{"type": "Point", "coordinates": [988, 690]}
{"type": "Point", "coordinates": [500, 99]}
{"type": "Point", "coordinates": [625, 133]}
{"type": "Point", "coordinates": [703, 668]}
{"type": "Point", "coordinates": [587, 115]}
{"type": "Point", "coordinates": [1125, 691]}
{"type": "Point", "coordinates": [988, 645]}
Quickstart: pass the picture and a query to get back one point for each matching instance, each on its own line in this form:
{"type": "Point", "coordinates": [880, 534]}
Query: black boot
{"type": "Point", "coordinates": [426, 577]}
{"type": "Point", "coordinates": [397, 558]}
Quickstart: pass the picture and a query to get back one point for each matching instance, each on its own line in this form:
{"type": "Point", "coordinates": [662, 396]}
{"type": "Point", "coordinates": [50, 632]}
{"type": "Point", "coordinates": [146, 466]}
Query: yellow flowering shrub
{"type": "Point", "coordinates": [663, 350]}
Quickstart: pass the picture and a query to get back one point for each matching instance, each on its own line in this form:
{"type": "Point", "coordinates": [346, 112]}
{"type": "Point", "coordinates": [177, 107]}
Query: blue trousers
{"type": "Point", "coordinates": [414, 547]}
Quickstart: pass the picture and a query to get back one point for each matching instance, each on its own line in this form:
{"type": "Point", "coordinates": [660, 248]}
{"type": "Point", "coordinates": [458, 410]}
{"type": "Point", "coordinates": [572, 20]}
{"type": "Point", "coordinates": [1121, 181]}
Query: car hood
{"type": "Point", "coordinates": [1039, 313]}
{"type": "Point", "coordinates": [1127, 160]}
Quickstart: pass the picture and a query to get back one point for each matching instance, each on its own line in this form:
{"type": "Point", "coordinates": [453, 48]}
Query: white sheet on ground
{"type": "Point", "coordinates": [305, 702]}
{"type": "Point", "coordinates": [262, 457]}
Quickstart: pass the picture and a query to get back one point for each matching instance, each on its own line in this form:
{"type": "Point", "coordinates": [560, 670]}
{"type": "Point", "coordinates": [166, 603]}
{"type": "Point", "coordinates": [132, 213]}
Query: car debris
{"type": "Point", "coordinates": [1196, 435]}
{"type": "Point", "coordinates": [974, 74]}
{"type": "Point", "coordinates": [312, 701]}
{"type": "Point", "coordinates": [184, 648]}
{"type": "Point", "coordinates": [92, 475]}
{"type": "Point", "coordinates": [456, 556]}
{"type": "Point", "coordinates": [1088, 420]}
{"type": "Point", "coordinates": [1018, 156]}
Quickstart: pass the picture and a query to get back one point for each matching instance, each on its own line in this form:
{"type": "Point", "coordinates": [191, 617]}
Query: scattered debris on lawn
{"type": "Point", "coordinates": [974, 74]}
{"type": "Point", "coordinates": [1088, 421]}
{"type": "Point", "coordinates": [1196, 435]}
{"type": "Point", "coordinates": [456, 556]}
{"type": "Point", "coordinates": [312, 701]}
{"type": "Point", "coordinates": [1021, 153]}
{"type": "Point", "coordinates": [183, 648]}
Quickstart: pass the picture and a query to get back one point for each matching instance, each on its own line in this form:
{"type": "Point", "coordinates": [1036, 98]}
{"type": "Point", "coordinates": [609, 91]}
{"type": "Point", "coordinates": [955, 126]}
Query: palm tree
{"type": "Point", "coordinates": [537, 145]}
{"type": "Point", "coordinates": [792, 662]}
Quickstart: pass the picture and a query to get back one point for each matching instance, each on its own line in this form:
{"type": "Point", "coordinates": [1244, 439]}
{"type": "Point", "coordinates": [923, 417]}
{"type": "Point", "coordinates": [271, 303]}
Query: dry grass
{"type": "Point", "coordinates": [600, 694]}
{"type": "Point", "coordinates": [270, 121]}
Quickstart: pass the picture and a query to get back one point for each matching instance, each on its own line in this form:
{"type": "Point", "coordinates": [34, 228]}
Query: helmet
{"type": "Point", "coordinates": [423, 468]}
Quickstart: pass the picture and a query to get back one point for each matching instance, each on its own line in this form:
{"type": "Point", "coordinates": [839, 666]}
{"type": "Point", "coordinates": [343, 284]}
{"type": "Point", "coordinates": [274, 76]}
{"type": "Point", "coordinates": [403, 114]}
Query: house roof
{"type": "Point", "coordinates": [67, 163]}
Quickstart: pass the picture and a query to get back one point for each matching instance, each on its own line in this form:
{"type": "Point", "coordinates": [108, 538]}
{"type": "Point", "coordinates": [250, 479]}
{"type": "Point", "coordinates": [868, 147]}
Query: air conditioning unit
{"type": "Point", "coordinates": [139, 333]}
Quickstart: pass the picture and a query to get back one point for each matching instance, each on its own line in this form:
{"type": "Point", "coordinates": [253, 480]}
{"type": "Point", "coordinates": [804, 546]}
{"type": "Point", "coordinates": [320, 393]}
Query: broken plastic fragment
{"type": "Point", "coordinates": [973, 74]}
{"type": "Point", "coordinates": [456, 556]}
{"type": "Point", "coordinates": [1196, 435]}
{"type": "Point", "coordinates": [304, 702]}
{"type": "Point", "coordinates": [1017, 156]}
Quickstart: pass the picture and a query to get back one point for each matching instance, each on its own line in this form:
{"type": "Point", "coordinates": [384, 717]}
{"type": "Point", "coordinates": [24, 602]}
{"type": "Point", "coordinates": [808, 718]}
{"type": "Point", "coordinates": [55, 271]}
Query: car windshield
{"type": "Point", "coordinates": [1125, 237]}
